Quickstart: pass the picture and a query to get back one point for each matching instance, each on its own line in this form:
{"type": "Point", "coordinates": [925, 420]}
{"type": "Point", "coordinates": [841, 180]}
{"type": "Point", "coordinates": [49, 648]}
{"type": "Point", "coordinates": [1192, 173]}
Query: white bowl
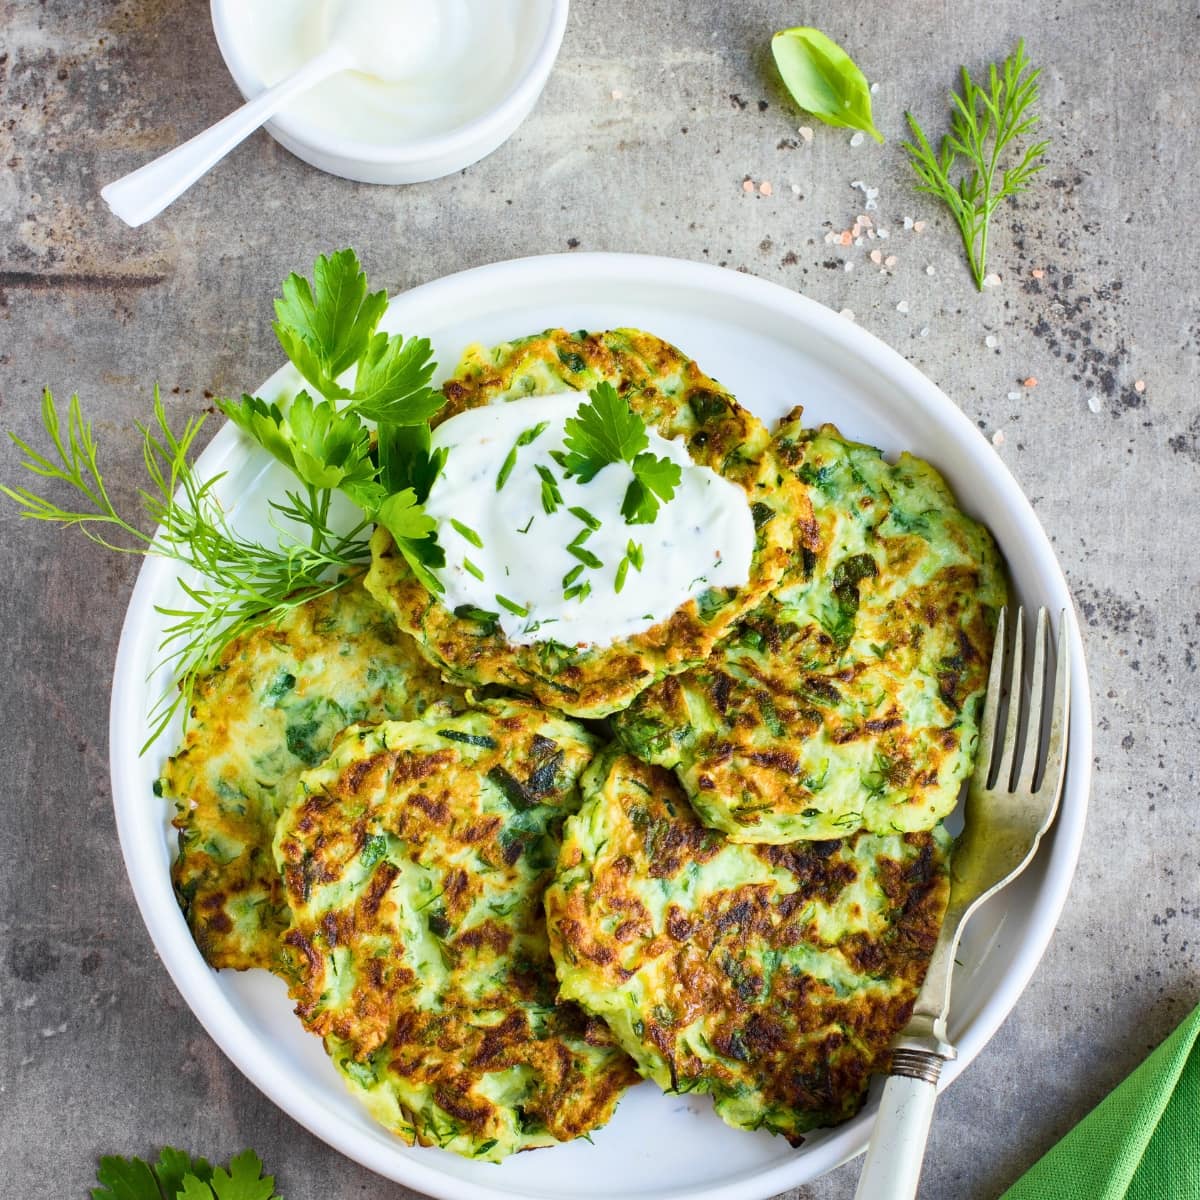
{"type": "Point", "coordinates": [415, 160]}
{"type": "Point", "coordinates": [773, 349]}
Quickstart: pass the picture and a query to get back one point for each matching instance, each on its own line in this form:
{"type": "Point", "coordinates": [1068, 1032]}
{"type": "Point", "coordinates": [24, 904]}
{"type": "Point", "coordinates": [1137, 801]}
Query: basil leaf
{"type": "Point", "coordinates": [823, 79]}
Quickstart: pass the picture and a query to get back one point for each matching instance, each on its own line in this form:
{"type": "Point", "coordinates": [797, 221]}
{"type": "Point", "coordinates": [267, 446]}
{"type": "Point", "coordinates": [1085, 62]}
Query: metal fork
{"type": "Point", "coordinates": [1011, 801]}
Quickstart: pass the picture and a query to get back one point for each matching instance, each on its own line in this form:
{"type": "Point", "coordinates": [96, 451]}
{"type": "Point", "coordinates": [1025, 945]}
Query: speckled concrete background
{"type": "Point", "coordinates": [97, 1051]}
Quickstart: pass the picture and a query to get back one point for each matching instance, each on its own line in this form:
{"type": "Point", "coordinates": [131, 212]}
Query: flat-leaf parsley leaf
{"type": "Point", "coordinates": [325, 328]}
{"type": "Point", "coordinates": [177, 1176]}
{"type": "Point", "coordinates": [655, 479]}
{"type": "Point", "coordinates": [606, 430]}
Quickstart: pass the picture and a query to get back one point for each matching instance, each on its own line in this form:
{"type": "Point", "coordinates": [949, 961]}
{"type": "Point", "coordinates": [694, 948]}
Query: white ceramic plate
{"type": "Point", "coordinates": [773, 349]}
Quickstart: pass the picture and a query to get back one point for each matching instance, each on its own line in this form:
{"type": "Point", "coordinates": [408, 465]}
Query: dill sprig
{"type": "Point", "coordinates": [984, 123]}
{"type": "Point", "coordinates": [241, 583]}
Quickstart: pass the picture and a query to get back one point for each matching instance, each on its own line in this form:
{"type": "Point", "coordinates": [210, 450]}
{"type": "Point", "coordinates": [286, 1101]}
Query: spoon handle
{"type": "Point", "coordinates": [144, 193]}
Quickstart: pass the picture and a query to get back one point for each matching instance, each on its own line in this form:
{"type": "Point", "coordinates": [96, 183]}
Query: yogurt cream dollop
{"type": "Point", "coordinates": [505, 554]}
{"type": "Point", "coordinates": [457, 59]}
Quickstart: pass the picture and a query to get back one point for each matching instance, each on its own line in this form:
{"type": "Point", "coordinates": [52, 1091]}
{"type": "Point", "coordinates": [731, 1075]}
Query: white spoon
{"type": "Point", "coordinates": [383, 38]}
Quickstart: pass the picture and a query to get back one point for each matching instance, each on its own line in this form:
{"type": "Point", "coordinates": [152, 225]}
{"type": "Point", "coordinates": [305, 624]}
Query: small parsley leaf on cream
{"type": "Point", "coordinates": [606, 430]}
{"type": "Point", "coordinates": [654, 479]}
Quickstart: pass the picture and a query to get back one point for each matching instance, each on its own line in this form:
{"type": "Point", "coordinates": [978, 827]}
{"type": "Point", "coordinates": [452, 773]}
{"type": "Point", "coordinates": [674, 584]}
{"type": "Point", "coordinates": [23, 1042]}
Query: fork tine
{"type": "Point", "coordinates": [1012, 725]}
{"type": "Point", "coordinates": [1037, 692]}
{"type": "Point", "coordinates": [1056, 758]}
{"type": "Point", "coordinates": [991, 705]}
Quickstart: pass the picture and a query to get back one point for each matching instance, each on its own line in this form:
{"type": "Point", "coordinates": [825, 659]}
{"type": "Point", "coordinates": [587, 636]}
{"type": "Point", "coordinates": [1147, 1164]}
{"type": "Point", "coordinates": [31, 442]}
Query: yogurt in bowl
{"type": "Point", "coordinates": [473, 69]}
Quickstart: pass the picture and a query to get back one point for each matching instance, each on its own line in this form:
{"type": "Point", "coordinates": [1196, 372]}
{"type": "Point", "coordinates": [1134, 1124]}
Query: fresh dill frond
{"type": "Point", "coordinates": [984, 124]}
{"type": "Point", "coordinates": [239, 584]}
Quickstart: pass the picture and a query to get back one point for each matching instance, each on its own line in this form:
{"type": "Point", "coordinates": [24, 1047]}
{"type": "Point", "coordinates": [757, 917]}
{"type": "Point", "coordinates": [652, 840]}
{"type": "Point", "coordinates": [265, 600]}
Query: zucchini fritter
{"type": "Point", "coordinates": [670, 393]}
{"type": "Point", "coordinates": [414, 860]}
{"type": "Point", "coordinates": [772, 977]}
{"type": "Point", "coordinates": [849, 699]}
{"type": "Point", "coordinates": [265, 713]}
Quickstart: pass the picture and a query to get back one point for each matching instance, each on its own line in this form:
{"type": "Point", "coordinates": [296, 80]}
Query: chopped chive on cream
{"type": "Point", "coordinates": [467, 532]}
{"type": "Point", "coordinates": [585, 556]}
{"type": "Point", "coordinates": [470, 566]}
{"type": "Point", "coordinates": [510, 459]}
{"type": "Point", "coordinates": [581, 537]}
{"type": "Point", "coordinates": [531, 435]}
{"type": "Point", "coordinates": [586, 517]}
{"type": "Point", "coordinates": [513, 607]}
{"type": "Point", "coordinates": [551, 496]}
{"type": "Point", "coordinates": [527, 525]}
{"type": "Point", "coordinates": [506, 468]}
{"type": "Point", "coordinates": [622, 571]}
{"type": "Point", "coordinates": [572, 575]}
{"type": "Point", "coordinates": [580, 592]}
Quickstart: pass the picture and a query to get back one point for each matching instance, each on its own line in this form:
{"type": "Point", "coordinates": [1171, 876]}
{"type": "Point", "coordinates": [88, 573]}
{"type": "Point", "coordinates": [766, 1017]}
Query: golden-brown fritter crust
{"type": "Point", "coordinates": [266, 712]}
{"type": "Point", "coordinates": [673, 396]}
{"type": "Point", "coordinates": [849, 698]}
{"type": "Point", "coordinates": [414, 861]}
{"type": "Point", "coordinates": [773, 977]}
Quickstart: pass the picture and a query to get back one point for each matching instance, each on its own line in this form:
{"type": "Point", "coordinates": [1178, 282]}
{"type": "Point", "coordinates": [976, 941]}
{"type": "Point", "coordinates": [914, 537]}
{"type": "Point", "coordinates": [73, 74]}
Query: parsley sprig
{"type": "Point", "coordinates": [606, 430]}
{"type": "Point", "coordinates": [328, 329]}
{"type": "Point", "coordinates": [330, 326]}
{"type": "Point", "coordinates": [984, 123]}
{"type": "Point", "coordinates": [178, 1176]}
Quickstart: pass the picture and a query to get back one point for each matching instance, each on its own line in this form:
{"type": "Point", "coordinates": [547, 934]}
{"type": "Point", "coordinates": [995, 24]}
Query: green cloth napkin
{"type": "Point", "coordinates": [1142, 1142]}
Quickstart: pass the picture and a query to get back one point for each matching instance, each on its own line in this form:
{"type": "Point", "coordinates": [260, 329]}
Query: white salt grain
{"type": "Point", "coordinates": [991, 280]}
{"type": "Point", "coordinates": [908, 222]}
{"type": "Point", "coordinates": [871, 194]}
{"type": "Point", "coordinates": [991, 341]}
{"type": "Point", "coordinates": [806, 134]}
{"type": "Point", "coordinates": [848, 313]}
{"type": "Point", "coordinates": [1094, 403]}
{"type": "Point", "coordinates": [902, 307]}
{"type": "Point", "coordinates": [929, 270]}
{"type": "Point", "coordinates": [795, 189]}
{"type": "Point", "coordinates": [848, 265]}
{"type": "Point", "coordinates": [924, 332]}
{"type": "Point", "coordinates": [998, 438]}
{"type": "Point", "coordinates": [1014, 395]}
{"type": "Point", "coordinates": [857, 139]}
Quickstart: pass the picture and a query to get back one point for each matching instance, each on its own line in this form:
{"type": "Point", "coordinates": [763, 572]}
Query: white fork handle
{"type": "Point", "coordinates": [144, 193]}
{"type": "Point", "coordinates": [897, 1149]}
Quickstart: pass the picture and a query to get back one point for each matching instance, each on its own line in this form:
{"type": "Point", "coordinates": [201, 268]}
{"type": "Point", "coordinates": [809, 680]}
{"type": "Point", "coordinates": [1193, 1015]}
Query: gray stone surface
{"type": "Point", "coordinates": [97, 1051]}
